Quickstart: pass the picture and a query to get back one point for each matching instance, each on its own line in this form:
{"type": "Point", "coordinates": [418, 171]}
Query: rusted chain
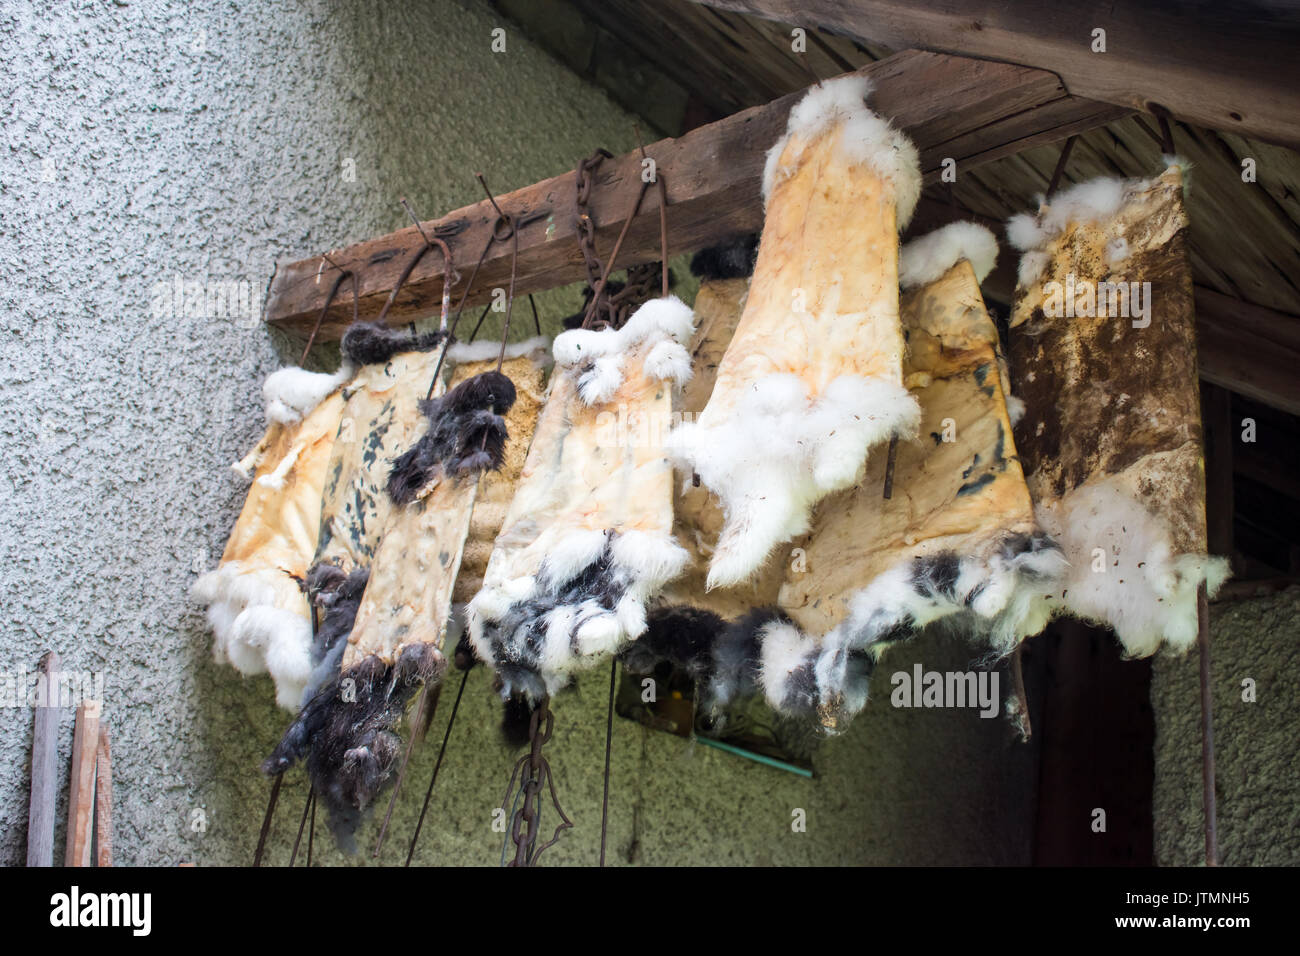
{"type": "Point", "coordinates": [532, 781]}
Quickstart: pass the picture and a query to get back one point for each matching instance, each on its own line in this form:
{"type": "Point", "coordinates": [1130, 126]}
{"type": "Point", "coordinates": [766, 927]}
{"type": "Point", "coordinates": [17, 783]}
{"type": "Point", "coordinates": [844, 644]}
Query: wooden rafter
{"type": "Point", "coordinates": [1225, 66]}
{"type": "Point", "coordinates": [972, 111]}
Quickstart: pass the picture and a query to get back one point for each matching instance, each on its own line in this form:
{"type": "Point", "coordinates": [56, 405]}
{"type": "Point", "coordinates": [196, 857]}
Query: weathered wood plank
{"type": "Point", "coordinates": [1230, 68]}
{"type": "Point", "coordinates": [103, 800]}
{"type": "Point", "coordinates": [970, 110]}
{"type": "Point", "coordinates": [45, 768]}
{"type": "Point", "coordinates": [81, 798]}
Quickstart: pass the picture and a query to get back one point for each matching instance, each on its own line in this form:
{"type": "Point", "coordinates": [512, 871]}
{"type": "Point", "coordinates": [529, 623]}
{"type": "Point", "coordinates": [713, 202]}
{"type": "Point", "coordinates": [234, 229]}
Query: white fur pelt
{"type": "Point", "coordinates": [926, 259]}
{"type": "Point", "coordinates": [598, 356]}
{"type": "Point", "coordinates": [812, 378]}
{"type": "Point", "coordinates": [865, 138]}
{"type": "Point", "coordinates": [586, 601]}
{"type": "Point", "coordinates": [588, 537]}
{"type": "Point", "coordinates": [784, 450]}
{"type": "Point", "coordinates": [1093, 201]}
{"type": "Point", "coordinates": [261, 624]}
{"type": "Point", "coordinates": [291, 393]}
{"type": "Point", "coordinates": [1136, 584]}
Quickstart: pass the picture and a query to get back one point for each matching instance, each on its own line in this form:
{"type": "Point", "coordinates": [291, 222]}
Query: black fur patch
{"type": "Point", "coordinates": [737, 656]}
{"type": "Point", "coordinates": [684, 636]}
{"type": "Point", "coordinates": [517, 638]}
{"type": "Point", "coordinates": [467, 435]}
{"type": "Point", "coordinates": [348, 730]}
{"type": "Point", "coordinates": [729, 260]}
{"type": "Point", "coordinates": [936, 575]}
{"type": "Point", "coordinates": [369, 343]}
{"type": "Point", "coordinates": [516, 720]}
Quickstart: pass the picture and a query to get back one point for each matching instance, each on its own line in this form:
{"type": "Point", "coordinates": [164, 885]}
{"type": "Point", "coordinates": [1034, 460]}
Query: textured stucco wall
{"type": "Point", "coordinates": [206, 140]}
{"type": "Point", "coordinates": [1256, 753]}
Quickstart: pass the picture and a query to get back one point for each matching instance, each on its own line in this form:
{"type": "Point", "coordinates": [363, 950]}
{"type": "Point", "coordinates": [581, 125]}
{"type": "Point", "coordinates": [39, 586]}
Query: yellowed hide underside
{"type": "Point", "coordinates": [590, 468]}
{"type": "Point", "coordinates": [697, 517]}
{"type": "Point", "coordinates": [496, 489]}
{"type": "Point", "coordinates": [275, 534]}
{"type": "Point", "coordinates": [824, 297]}
{"type": "Point", "coordinates": [380, 421]}
{"type": "Point", "coordinates": [959, 495]}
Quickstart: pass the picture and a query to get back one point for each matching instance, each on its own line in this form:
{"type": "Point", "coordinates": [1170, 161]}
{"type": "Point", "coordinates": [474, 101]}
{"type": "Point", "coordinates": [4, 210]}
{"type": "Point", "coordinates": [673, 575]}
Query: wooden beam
{"type": "Point", "coordinates": [1225, 66]}
{"type": "Point", "coordinates": [1247, 349]}
{"type": "Point", "coordinates": [972, 111]}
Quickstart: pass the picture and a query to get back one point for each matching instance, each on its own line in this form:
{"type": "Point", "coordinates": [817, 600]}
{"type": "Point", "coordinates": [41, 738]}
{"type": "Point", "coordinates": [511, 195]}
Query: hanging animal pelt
{"type": "Point", "coordinates": [588, 537]}
{"type": "Point", "coordinates": [260, 620]}
{"type": "Point", "coordinates": [394, 645]}
{"type": "Point", "coordinates": [525, 364]}
{"type": "Point", "coordinates": [706, 632]}
{"type": "Point", "coordinates": [957, 539]}
{"type": "Point", "coordinates": [1103, 348]}
{"type": "Point", "coordinates": [377, 418]}
{"type": "Point", "coordinates": [813, 377]}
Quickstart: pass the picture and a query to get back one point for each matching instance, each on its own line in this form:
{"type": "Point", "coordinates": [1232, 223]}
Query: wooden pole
{"type": "Point", "coordinates": [1209, 799]}
{"type": "Point", "coordinates": [45, 756]}
{"type": "Point", "coordinates": [103, 800]}
{"type": "Point", "coordinates": [81, 800]}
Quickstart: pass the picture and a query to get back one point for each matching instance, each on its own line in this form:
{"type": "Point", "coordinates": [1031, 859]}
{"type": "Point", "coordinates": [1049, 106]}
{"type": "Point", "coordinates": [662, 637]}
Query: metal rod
{"type": "Point", "coordinates": [329, 300]}
{"type": "Point", "coordinates": [609, 263]}
{"type": "Point", "coordinates": [302, 824]}
{"type": "Point", "coordinates": [889, 467]}
{"type": "Point", "coordinates": [401, 773]}
{"type": "Point", "coordinates": [1060, 166]}
{"type": "Point", "coordinates": [1208, 796]}
{"type": "Point", "coordinates": [266, 820]}
{"type": "Point", "coordinates": [436, 767]}
{"type": "Point", "coordinates": [609, 738]}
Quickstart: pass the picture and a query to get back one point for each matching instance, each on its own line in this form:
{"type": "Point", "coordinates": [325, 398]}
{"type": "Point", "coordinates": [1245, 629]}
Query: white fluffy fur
{"type": "Point", "coordinates": [291, 393]}
{"type": "Point", "coordinates": [865, 138]}
{"type": "Point", "coordinates": [667, 322]}
{"type": "Point", "coordinates": [1092, 201]}
{"type": "Point", "coordinates": [538, 348]}
{"type": "Point", "coordinates": [1146, 593]}
{"type": "Point", "coordinates": [577, 635]}
{"type": "Point", "coordinates": [781, 452]}
{"type": "Point", "coordinates": [253, 633]}
{"type": "Point", "coordinates": [926, 259]}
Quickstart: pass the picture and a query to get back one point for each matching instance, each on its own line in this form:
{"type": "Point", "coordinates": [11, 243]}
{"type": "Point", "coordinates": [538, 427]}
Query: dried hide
{"type": "Point", "coordinates": [1103, 348]}
{"type": "Point", "coordinates": [525, 364]}
{"type": "Point", "coordinates": [381, 419]}
{"type": "Point", "coordinates": [689, 624]}
{"type": "Point", "coordinates": [259, 617]}
{"type": "Point", "coordinates": [813, 377]}
{"type": "Point", "coordinates": [587, 540]}
{"type": "Point", "coordinates": [956, 540]}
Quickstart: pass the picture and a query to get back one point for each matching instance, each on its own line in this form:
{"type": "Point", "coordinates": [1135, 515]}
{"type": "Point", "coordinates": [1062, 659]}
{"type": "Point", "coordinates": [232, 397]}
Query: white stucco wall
{"type": "Point", "coordinates": [205, 140]}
